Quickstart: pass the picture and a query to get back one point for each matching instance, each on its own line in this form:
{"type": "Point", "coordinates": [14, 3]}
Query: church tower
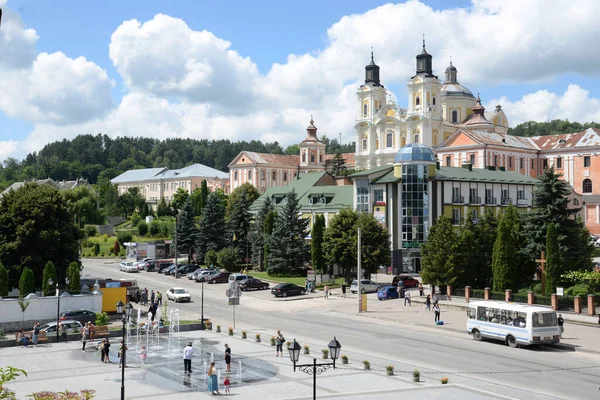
{"type": "Point", "coordinates": [312, 150]}
{"type": "Point", "coordinates": [424, 115]}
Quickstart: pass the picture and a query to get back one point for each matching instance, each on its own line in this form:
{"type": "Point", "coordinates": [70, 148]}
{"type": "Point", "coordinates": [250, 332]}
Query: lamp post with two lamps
{"type": "Point", "coordinates": [315, 369]}
{"type": "Point", "coordinates": [125, 312]}
{"type": "Point", "coordinates": [50, 283]}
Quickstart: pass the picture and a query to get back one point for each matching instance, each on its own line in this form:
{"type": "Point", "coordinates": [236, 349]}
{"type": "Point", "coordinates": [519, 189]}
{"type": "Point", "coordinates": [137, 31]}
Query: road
{"type": "Point", "coordinates": [532, 373]}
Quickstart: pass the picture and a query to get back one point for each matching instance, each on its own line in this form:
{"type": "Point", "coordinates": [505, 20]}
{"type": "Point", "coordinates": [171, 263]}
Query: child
{"type": "Point", "coordinates": [226, 384]}
{"type": "Point", "coordinates": [144, 354]}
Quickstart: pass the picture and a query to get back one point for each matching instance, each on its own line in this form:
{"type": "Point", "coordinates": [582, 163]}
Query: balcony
{"type": "Point", "coordinates": [505, 201]}
{"type": "Point", "coordinates": [490, 200]}
{"type": "Point", "coordinates": [458, 199]}
{"type": "Point", "coordinates": [522, 202]}
{"type": "Point", "coordinates": [474, 200]}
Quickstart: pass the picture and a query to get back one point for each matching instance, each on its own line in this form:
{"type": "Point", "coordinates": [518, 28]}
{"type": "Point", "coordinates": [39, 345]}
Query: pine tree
{"type": "Point", "coordinates": [316, 244]}
{"type": "Point", "coordinates": [268, 231]}
{"type": "Point", "coordinates": [186, 230]}
{"type": "Point", "coordinates": [338, 166]}
{"type": "Point", "coordinates": [26, 283]}
{"type": "Point", "coordinates": [49, 273]}
{"type": "Point", "coordinates": [504, 259]}
{"type": "Point", "coordinates": [212, 232]}
{"type": "Point", "coordinates": [3, 281]}
{"type": "Point", "coordinates": [485, 233]}
{"type": "Point", "coordinates": [163, 209]}
{"type": "Point", "coordinates": [554, 263]}
{"type": "Point", "coordinates": [204, 192]}
{"type": "Point", "coordinates": [74, 274]}
{"type": "Point", "coordinates": [116, 248]}
{"type": "Point", "coordinates": [238, 216]}
{"type": "Point", "coordinates": [288, 247]}
{"type": "Point", "coordinates": [438, 256]}
{"type": "Point", "coordinates": [257, 233]}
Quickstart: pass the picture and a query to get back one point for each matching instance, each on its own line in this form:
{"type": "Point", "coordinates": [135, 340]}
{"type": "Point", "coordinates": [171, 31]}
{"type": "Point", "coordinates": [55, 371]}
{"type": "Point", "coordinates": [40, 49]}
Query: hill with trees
{"type": "Point", "coordinates": [532, 128]}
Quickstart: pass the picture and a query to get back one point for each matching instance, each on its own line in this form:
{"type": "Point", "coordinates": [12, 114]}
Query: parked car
{"type": "Point", "coordinates": [70, 325]}
{"type": "Point", "coordinates": [178, 294]}
{"type": "Point", "coordinates": [151, 265]}
{"type": "Point", "coordinates": [142, 263]}
{"type": "Point", "coordinates": [187, 268]}
{"type": "Point", "coordinates": [162, 265]}
{"type": "Point", "coordinates": [82, 316]}
{"type": "Point", "coordinates": [287, 289]}
{"type": "Point", "coordinates": [221, 277]}
{"type": "Point", "coordinates": [238, 278]}
{"type": "Point", "coordinates": [253, 284]}
{"type": "Point", "coordinates": [128, 266]}
{"type": "Point", "coordinates": [170, 270]}
{"type": "Point", "coordinates": [409, 281]}
{"type": "Point", "coordinates": [203, 274]}
{"type": "Point", "coordinates": [388, 292]}
{"type": "Point", "coordinates": [366, 286]}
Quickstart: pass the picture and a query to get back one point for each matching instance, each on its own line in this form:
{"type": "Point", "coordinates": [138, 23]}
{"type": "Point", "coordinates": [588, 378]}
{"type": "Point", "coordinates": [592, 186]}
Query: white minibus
{"type": "Point", "coordinates": [514, 324]}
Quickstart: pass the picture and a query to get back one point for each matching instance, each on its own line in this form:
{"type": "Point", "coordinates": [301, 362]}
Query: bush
{"type": "Point", "coordinates": [166, 229]}
{"type": "Point", "coordinates": [96, 249]}
{"type": "Point", "coordinates": [87, 243]}
{"type": "Point", "coordinates": [210, 258]}
{"type": "Point", "coordinates": [124, 237]}
{"type": "Point", "coordinates": [142, 228]}
{"type": "Point", "coordinates": [580, 289]}
{"type": "Point", "coordinates": [122, 253]}
{"type": "Point", "coordinates": [227, 258]}
{"type": "Point", "coordinates": [116, 248]}
{"type": "Point", "coordinates": [135, 218]}
{"type": "Point", "coordinates": [102, 254]}
{"type": "Point", "coordinates": [90, 230]}
{"type": "Point", "coordinates": [102, 319]}
{"type": "Point", "coordinates": [2, 333]}
{"type": "Point", "coordinates": [26, 283]}
{"type": "Point", "coordinates": [154, 228]}
{"type": "Point", "coordinates": [105, 238]}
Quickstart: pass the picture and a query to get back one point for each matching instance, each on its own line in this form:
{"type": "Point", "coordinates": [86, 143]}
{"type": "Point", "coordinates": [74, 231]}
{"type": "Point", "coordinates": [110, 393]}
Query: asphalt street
{"type": "Point", "coordinates": [531, 373]}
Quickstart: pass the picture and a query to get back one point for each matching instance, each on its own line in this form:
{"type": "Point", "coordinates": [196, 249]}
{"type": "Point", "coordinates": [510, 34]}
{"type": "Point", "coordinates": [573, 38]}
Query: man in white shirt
{"type": "Point", "coordinates": [188, 351]}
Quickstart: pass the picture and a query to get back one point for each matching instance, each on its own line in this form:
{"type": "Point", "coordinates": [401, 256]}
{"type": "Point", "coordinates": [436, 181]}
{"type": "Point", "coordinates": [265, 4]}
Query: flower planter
{"type": "Point", "coordinates": [344, 361]}
{"type": "Point", "coordinates": [244, 336]}
{"type": "Point", "coordinates": [258, 339]}
{"type": "Point", "coordinates": [389, 372]}
{"type": "Point", "coordinates": [416, 379]}
{"type": "Point", "coordinates": [306, 351]}
{"type": "Point", "coordinates": [218, 329]}
{"type": "Point", "coordinates": [367, 367]}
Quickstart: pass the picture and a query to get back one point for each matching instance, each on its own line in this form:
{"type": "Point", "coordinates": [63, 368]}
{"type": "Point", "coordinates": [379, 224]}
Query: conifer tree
{"type": "Point", "coordinates": [338, 166]}
{"type": "Point", "coordinates": [239, 218]}
{"type": "Point", "coordinates": [26, 283]}
{"type": "Point", "coordinates": [504, 259]}
{"type": "Point", "coordinates": [257, 233]}
{"type": "Point", "coordinates": [74, 274]}
{"type": "Point", "coordinates": [554, 263]}
{"type": "Point", "coordinates": [186, 230]}
{"type": "Point", "coordinates": [438, 256]}
{"type": "Point", "coordinates": [268, 231]}
{"type": "Point", "coordinates": [212, 232]}
{"type": "Point", "coordinates": [316, 244]}
{"type": "Point", "coordinates": [3, 281]}
{"type": "Point", "coordinates": [49, 273]}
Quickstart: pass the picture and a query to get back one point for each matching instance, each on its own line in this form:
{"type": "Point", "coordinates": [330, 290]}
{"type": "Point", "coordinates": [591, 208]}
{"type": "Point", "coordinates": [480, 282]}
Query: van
{"type": "Point", "coordinates": [237, 278]}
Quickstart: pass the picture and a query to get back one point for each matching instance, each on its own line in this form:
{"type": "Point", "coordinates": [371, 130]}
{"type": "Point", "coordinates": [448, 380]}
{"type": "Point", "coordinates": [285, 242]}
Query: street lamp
{"type": "Point", "coordinates": [50, 283]}
{"type": "Point", "coordinates": [315, 369]}
{"type": "Point", "coordinates": [125, 312]}
{"type": "Point", "coordinates": [202, 307]}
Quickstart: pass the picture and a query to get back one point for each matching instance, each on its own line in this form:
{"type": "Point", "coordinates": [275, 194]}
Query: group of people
{"type": "Point", "coordinates": [25, 340]}
{"type": "Point", "coordinates": [436, 308]}
{"type": "Point", "coordinates": [213, 381]}
{"type": "Point", "coordinates": [142, 297]}
{"type": "Point", "coordinates": [87, 334]}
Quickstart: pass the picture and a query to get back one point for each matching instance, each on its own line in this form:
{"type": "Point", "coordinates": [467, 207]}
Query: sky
{"type": "Point", "coordinates": [258, 70]}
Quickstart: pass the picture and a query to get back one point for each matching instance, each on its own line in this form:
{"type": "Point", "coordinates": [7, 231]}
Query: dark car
{"type": "Point", "coordinates": [151, 265]}
{"type": "Point", "coordinates": [221, 277]}
{"type": "Point", "coordinates": [162, 267]}
{"type": "Point", "coordinates": [387, 292]}
{"type": "Point", "coordinates": [82, 316]}
{"type": "Point", "coordinates": [186, 269]}
{"type": "Point", "coordinates": [253, 284]}
{"type": "Point", "coordinates": [409, 281]}
{"type": "Point", "coordinates": [287, 289]}
{"type": "Point", "coordinates": [171, 269]}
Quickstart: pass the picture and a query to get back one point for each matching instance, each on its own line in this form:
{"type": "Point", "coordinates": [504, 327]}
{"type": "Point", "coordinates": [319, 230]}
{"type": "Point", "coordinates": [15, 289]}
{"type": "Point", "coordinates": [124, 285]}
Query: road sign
{"type": "Point", "coordinates": [228, 292]}
{"type": "Point", "coordinates": [234, 301]}
{"type": "Point", "coordinates": [233, 292]}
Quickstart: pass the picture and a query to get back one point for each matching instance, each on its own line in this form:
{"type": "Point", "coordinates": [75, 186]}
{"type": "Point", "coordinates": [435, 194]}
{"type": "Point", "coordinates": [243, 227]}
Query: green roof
{"type": "Point", "coordinates": [387, 178]}
{"type": "Point", "coordinates": [370, 171]}
{"type": "Point", "coordinates": [341, 197]}
{"type": "Point", "coordinates": [482, 175]}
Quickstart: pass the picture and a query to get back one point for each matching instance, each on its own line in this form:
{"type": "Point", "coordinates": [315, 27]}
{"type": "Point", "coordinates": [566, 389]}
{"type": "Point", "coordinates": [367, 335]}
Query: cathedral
{"type": "Point", "coordinates": [435, 110]}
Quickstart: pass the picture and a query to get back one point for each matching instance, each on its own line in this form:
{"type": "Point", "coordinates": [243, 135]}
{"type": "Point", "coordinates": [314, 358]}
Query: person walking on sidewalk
{"type": "Point", "coordinates": [279, 342]}
{"type": "Point", "coordinates": [36, 333]}
{"type": "Point", "coordinates": [152, 296]}
{"type": "Point", "coordinates": [85, 335]}
{"type": "Point", "coordinates": [159, 298]}
{"type": "Point", "coordinates": [188, 351]}
{"type": "Point", "coordinates": [407, 299]}
{"type": "Point", "coordinates": [227, 358]}
{"type": "Point", "coordinates": [326, 290]}
{"type": "Point", "coordinates": [144, 354]}
{"type": "Point", "coordinates": [561, 322]}
{"type": "Point", "coordinates": [436, 311]}
{"type": "Point", "coordinates": [122, 347]}
{"type": "Point", "coordinates": [421, 289]}
{"type": "Point", "coordinates": [428, 303]}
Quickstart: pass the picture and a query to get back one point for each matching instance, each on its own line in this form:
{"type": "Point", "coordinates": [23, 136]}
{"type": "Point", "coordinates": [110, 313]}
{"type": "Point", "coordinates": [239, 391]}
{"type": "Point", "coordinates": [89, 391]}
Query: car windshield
{"type": "Point", "coordinates": [180, 291]}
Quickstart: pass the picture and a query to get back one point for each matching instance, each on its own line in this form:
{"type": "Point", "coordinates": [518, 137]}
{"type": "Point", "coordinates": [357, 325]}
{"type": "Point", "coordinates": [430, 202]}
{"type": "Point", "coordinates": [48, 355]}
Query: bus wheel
{"type": "Point", "coordinates": [511, 341]}
{"type": "Point", "coordinates": [476, 335]}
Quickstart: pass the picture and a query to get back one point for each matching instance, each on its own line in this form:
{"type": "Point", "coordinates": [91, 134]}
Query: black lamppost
{"type": "Point", "coordinates": [315, 369]}
{"type": "Point", "coordinates": [125, 312]}
{"type": "Point", "coordinates": [202, 307]}
{"type": "Point", "coordinates": [50, 283]}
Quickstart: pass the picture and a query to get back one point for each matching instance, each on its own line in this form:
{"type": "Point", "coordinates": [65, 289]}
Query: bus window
{"type": "Point", "coordinates": [544, 319]}
{"type": "Point", "coordinates": [482, 313]}
{"type": "Point", "coordinates": [494, 315]}
{"type": "Point", "coordinates": [520, 319]}
{"type": "Point", "coordinates": [505, 317]}
{"type": "Point", "coordinates": [472, 313]}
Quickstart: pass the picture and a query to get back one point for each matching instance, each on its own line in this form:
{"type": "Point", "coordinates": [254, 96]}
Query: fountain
{"type": "Point", "coordinates": [218, 379]}
{"type": "Point", "coordinates": [240, 372]}
{"type": "Point", "coordinates": [148, 329]}
{"type": "Point", "coordinates": [173, 328]}
{"type": "Point", "coordinates": [204, 374]}
{"type": "Point", "coordinates": [138, 327]}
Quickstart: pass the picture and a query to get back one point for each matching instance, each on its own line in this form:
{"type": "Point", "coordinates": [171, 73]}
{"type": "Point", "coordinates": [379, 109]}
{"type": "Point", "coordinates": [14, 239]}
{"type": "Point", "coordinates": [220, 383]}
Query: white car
{"type": "Point", "coordinates": [178, 294]}
{"type": "Point", "coordinates": [142, 263]}
{"type": "Point", "coordinates": [128, 266]}
{"type": "Point", "coordinates": [366, 286]}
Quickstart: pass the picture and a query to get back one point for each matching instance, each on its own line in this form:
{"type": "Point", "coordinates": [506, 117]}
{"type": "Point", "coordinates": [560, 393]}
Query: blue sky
{"type": "Point", "coordinates": [535, 65]}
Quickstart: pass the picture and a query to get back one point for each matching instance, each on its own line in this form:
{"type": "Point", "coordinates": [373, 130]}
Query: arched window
{"type": "Point", "coordinates": [434, 100]}
{"type": "Point", "coordinates": [575, 202]}
{"type": "Point", "coordinates": [587, 186]}
{"type": "Point", "coordinates": [454, 116]}
{"type": "Point", "coordinates": [418, 100]}
{"type": "Point", "coordinates": [365, 109]}
{"type": "Point", "coordinates": [416, 139]}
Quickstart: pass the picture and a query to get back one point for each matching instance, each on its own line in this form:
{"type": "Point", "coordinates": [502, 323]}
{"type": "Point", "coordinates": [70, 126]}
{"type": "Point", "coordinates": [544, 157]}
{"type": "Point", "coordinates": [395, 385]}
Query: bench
{"type": "Point", "coordinates": [101, 331]}
{"type": "Point", "coordinates": [42, 338]}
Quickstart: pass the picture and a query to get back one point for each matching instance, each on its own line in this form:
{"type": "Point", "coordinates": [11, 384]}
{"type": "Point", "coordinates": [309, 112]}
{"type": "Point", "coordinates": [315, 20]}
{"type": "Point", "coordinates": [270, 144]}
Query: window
{"type": "Point", "coordinates": [473, 198]}
{"type": "Point", "coordinates": [472, 158]}
{"type": "Point", "coordinates": [388, 139]}
{"type": "Point", "coordinates": [544, 163]}
{"type": "Point", "coordinates": [249, 174]}
{"type": "Point", "coordinates": [364, 144]}
{"type": "Point", "coordinates": [544, 319]}
{"type": "Point", "coordinates": [495, 160]}
{"type": "Point", "coordinates": [434, 100]}
{"type": "Point", "coordinates": [521, 163]}
{"type": "Point", "coordinates": [532, 164]}
{"type": "Point", "coordinates": [312, 157]}
{"type": "Point", "coordinates": [418, 101]}
{"type": "Point", "coordinates": [455, 216]}
{"type": "Point", "coordinates": [448, 161]}
{"type": "Point", "coordinates": [235, 176]}
{"type": "Point", "coordinates": [475, 214]}
{"type": "Point", "coordinates": [489, 197]}
{"type": "Point", "coordinates": [262, 175]}
{"type": "Point", "coordinates": [587, 161]}
{"type": "Point", "coordinates": [274, 175]}
{"type": "Point", "coordinates": [454, 116]}
{"type": "Point", "coordinates": [303, 157]}
{"type": "Point", "coordinates": [456, 197]}
{"type": "Point", "coordinates": [416, 139]}
{"type": "Point", "coordinates": [558, 163]}
{"type": "Point", "coordinates": [362, 196]}
{"type": "Point", "coordinates": [510, 162]}
{"type": "Point", "coordinates": [575, 202]}
{"type": "Point", "coordinates": [285, 176]}
{"type": "Point", "coordinates": [321, 158]}
{"type": "Point", "coordinates": [365, 110]}
{"type": "Point", "coordinates": [587, 186]}
{"type": "Point", "coordinates": [378, 195]}
{"type": "Point", "coordinates": [520, 194]}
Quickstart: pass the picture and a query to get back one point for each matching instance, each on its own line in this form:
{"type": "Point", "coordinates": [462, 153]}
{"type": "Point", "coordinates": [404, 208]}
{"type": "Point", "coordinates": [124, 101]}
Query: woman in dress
{"type": "Point", "coordinates": [213, 383]}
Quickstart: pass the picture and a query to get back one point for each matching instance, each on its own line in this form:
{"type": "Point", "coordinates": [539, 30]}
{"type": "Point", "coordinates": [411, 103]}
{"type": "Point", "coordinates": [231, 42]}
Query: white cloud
{"type": "Point", "coordinates": [186, 83]}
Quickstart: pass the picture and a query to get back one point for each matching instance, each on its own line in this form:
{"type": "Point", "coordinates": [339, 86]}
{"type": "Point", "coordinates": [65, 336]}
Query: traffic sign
{"type": "Point", "coordinates": [234, 301]}
{"type": "Point", "coordinates": [228, 292]}
{"type": "Point", "coordinates": [233, 292]}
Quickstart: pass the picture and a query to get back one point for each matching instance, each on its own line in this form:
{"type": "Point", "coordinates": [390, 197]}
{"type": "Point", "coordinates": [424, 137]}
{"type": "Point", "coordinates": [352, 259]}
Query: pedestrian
{"type": "Point", "coordinates": [144, 298]}
{"type": "Point", "coordinates": [213, 383]}
{"type": "Point", "coordinates": [121, 351]}
{"type": "Point", "coordinates": [279, 342]}
{"type": "Point", "coordinates": [421, 289]}
{"type": "Point", "coordinates": [106, 351]}
{"type": "Point", "coordinates": [401, 287]}
{"type": "Point", "coordinates": [344, 290]}
{"type": "Point", "coordinates": [23, 339]}
{"type": "Point", "coordinates": [226, 383]}
{"type": "Point", "coordinates": [326, 289]}
{"type": "Point", "coordinates": [85, 335]}
{"type": "Point", "coordinates": [92, 331]}
{"type": "Point", "coordinates": [188, 351]}
{"type": "Point", "coordinates": [436, 311]}
{"type": "Point", "coordinates": [428, 303]}
{"type": "Point", "coordinates": [159, 298]}
{"type": "Point", "coordinates": [227, 358]}
{"type": "Point", "coordinates": [407, 299]}
{"type": "Point", "coordinates": [36, 333]}
{"type": "Point", "coordinates": [144, 354]}
{"type": "Point", "coordinates": [561, 322]}
{"type": "Point", "coordinates": [152, 296]}
{"type": "Point", "coordinates": [151, 312]}
{"type": "Point", "coordinates": [138, 296]}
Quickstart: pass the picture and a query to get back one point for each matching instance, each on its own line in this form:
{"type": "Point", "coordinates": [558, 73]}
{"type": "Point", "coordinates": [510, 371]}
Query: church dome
{"type": "Point", "coordinates": [450, 68]}
{"type": "Point", "coordinates": [414, 152]}
{"type": "Point", "coordinates": [455, 89]}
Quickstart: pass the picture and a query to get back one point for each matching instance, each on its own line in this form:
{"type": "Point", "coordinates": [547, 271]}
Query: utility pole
{"type": "Point", "coordinates": [358, 266]}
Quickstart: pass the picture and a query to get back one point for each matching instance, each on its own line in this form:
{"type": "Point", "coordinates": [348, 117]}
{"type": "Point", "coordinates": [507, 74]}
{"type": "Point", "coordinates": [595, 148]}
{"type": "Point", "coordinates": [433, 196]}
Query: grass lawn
{"type": "Point", "coordinates": [300, 281]}
{"type": "Point", "coordinates": [106, 246]}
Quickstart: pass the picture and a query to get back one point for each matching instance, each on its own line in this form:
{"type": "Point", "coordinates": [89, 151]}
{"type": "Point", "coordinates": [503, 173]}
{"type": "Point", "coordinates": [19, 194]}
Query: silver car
{"type": "Point", "coordinates": [70, 325]}
{"type": "Point", "coordinates": [366, 286]}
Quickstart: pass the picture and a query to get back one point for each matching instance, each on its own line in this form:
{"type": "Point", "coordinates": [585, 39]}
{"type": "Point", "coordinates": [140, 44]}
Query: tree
{"type": "Point", "coordinates": [23, 304]}
{"type": "Point", "coordinates": [49, 273]}
{"type": "Point", "coordinates": [486, 231]}
{"type": "Point", "coordinates": [36, 226]}
{"type": "Point", "coordinates": [340, 241]}
{"type": "Point", "coordinates": [154, 228]}
{"type": "Point", "coordinates": [199, 196]}
{"type": "Point", "coordinates": [227, 258]}
{"type": "Point", "coordinates": [375, 244]}
{"type": "Point", "coordinates": [338, 167]}
{"type": "Point", "coordinates": [83, 203]}
{"type": "Point", "coordinates": [292, 150]}
{"type": "Point", "coordinates": [238, 216]}
{"type": "Point", "coordinates": [142, 228]}
{"type": "Point", "coordinates": [74, 275]}
{"type": "Point", "coordinates": [163, 209]}
{"type": "Point", "coordinates": [186, 230]}
{"type": "Point", "coordinates": [26, 283]}
{"type": "Point", "coordinates": [96, 248]}
{"type": "Point", "coordinates": [108, 195]}
{"type": "Point", "coordinates": [3, 281]}
{"type": "Point", "coordinates": [438, 255]}
{"type": "Point", "coordinates": [116, 248]}
{"type": "Point", "coordinates": [504, 259]}
{"type": "Point", "coordinates": [211, 234]}
{"type": "Point", "coordinates": [180, 197]}
{"type": "Point", "coordinates": [468, 257]}
{"type": "Point", "coordinates": [269, 222]}
{"type": "Point", "coordinates": [257, 234]}
{"type": "Point", "coordinates": [554, 263]}
{"type": "Point", "coordinates": [124, 237]}
{"type": "Point", "coordinates": [130, 201]}
{"type": "Point", "coordinates": [210, 259]}
{"type": "Point", "coordinates": [287, 244]}
{"type": "Point", "coordinates": [316, 244]}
